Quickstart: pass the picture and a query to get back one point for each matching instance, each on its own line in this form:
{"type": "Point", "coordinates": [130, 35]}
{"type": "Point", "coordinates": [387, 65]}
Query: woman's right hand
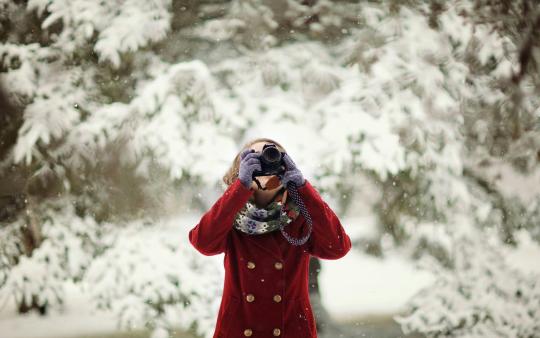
{"type": "Point", "coordinates": [249, 162]}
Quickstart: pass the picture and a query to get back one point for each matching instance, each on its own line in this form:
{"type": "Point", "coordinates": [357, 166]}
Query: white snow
{"type": "Point", "coordinates": [77, 319]}
{"type": "Point", "coordinates": [358, 285]}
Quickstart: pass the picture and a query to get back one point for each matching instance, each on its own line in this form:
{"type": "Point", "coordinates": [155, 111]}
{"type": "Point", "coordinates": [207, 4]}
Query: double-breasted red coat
{"type": "Point", "coordinates": [265, 290]}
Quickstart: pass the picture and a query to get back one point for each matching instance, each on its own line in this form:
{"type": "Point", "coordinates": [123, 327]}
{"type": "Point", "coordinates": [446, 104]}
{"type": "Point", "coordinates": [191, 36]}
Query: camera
{"type": "Point", "coordinates": [271, 161]}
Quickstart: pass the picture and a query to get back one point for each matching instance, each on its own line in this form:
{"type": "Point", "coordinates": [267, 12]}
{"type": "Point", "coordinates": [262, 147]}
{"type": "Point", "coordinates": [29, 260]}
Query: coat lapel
{"type": "Point", "coordinates": [266, 242]}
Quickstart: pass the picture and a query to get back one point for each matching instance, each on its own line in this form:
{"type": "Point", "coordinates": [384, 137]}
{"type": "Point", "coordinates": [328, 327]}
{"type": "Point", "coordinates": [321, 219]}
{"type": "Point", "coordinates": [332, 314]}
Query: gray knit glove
{"type": "Point", "coordinates": [292, 174]}
{"type": "Point", "coordinates": [249, 162]}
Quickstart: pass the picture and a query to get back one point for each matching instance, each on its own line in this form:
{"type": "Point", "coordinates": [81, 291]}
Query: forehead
{"type": "Point", "coordinates": [259, 145]}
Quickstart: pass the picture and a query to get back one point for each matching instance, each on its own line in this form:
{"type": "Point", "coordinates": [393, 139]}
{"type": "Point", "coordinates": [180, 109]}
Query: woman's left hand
{"type": "Point", "coordinates": [292, 174]}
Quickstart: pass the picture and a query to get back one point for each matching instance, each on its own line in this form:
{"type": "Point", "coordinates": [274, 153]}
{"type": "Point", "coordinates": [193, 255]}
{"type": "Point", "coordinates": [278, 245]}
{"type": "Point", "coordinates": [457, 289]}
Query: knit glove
{"type": "Point", "coordinates": [292, 174]}
{"type": "Point", "coordinates": [249, 162]}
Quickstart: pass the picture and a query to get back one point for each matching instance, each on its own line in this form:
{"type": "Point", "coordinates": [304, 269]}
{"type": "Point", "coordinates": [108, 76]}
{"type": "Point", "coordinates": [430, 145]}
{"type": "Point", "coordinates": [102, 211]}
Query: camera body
{"type": "Point", "coordinates": [271, 161]}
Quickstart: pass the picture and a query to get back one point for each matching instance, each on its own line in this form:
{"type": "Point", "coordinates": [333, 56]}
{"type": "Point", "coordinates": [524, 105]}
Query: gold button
{"type": "Point", "coordinates": [278, 265]}
{"type": "Point", "coordinates": [251, 265]}
{"type": "Point", "coordinates": [248, 332]}
{"type": "Point", "coordinates": [250, 298]}
{"type": "Point", "coordinates": [277, 298]}
{"type": "Point", "coordinates": [277, 332]}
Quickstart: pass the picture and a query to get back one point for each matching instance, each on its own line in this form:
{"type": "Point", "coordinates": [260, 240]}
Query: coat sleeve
{"type": "Point", "coordinates": [209, 236]}
{"type": "Point", "coordinates": [328, 239]}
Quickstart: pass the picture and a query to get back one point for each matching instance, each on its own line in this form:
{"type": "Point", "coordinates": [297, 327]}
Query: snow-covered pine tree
{"type": "Point", "coordinates": [478, 292]}
{"type": "Point", "coordinates": [99, 118]}
{"type": "Point", "coordinates": [447, 80]}
{"type": "Point", "coordinates": [481, 295]}
{"type": "Point", "coordinates": [116, 105]}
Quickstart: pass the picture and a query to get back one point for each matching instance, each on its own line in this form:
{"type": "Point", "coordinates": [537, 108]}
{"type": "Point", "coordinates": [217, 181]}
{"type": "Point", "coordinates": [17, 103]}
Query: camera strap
{"type": "Point", "coordinates": [293, 192]}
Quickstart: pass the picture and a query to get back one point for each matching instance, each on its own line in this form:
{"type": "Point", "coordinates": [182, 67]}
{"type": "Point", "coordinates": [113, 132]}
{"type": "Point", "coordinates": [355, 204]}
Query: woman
{"type": "Point", "coordinates": [265, 290]}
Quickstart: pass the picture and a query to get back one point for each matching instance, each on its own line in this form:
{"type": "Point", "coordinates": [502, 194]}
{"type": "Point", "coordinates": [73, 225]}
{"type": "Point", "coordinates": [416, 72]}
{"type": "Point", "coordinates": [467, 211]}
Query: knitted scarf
{"type": "Point", "coordinates": [256, 221]}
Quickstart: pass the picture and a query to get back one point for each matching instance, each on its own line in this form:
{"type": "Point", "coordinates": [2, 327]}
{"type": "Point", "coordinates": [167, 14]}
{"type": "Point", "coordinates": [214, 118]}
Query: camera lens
{"type": "Point", "coordinates": [271, 155]}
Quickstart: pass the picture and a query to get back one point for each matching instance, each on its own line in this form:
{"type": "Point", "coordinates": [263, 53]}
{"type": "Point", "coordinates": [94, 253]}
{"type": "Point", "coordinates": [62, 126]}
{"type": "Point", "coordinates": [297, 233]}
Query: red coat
{"type": "Point", "coordinates": [265, 290]}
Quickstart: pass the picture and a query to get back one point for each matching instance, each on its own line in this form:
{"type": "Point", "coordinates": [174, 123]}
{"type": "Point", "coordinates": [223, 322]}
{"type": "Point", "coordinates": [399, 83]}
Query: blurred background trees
{"type": "Point", "coordinates": [116, 114]}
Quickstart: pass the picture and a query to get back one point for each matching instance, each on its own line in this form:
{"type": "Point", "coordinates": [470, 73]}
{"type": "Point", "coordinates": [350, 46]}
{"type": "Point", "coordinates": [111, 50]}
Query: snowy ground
{"type": "Point", "coordinates": [77, 319]}
{"type": "Point", "coordinates": [373, 287]}
{"type": "Point", "coordinates": [355, 286]}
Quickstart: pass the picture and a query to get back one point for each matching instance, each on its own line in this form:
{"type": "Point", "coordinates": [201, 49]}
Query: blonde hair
{"type": "Point", "coordinates": [231, 174]}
